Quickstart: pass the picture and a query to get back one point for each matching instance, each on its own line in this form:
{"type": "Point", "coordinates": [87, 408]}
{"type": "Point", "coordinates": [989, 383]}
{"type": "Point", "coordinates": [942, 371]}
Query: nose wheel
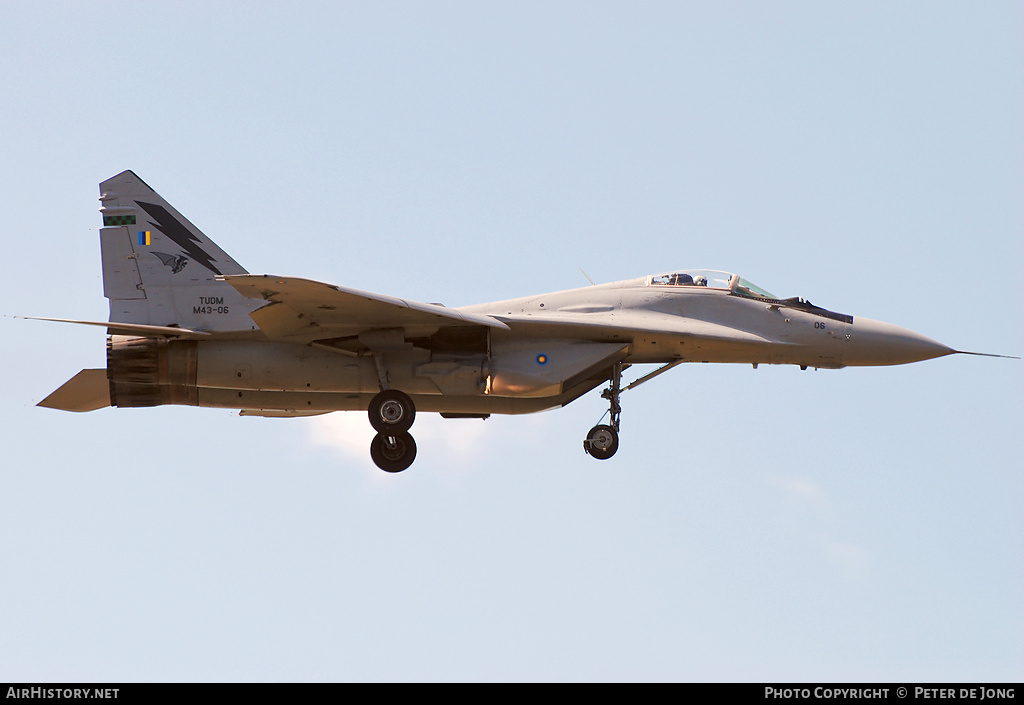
{"type": "Point", "coordinates": [603, 439]}
{"type": "Point", "coordinates": [602, 442]}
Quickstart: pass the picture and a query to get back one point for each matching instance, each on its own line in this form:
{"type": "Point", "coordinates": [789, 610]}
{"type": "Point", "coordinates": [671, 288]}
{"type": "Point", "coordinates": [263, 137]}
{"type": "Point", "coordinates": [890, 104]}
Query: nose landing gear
{"type": "Point", "coordinates": [603, 440]}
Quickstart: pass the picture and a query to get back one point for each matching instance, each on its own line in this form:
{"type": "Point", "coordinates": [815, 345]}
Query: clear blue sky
{"type": "Point", "coordinates": [774, 524]}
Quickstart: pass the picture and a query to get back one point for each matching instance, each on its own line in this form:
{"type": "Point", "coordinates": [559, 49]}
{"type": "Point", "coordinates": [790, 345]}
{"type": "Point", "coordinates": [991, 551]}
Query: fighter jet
{"type": "Point", "coordinates": [211, 334]}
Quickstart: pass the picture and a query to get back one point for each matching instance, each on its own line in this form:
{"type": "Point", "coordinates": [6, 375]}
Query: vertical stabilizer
{"type": "Point", "coordinates": [158, 268]}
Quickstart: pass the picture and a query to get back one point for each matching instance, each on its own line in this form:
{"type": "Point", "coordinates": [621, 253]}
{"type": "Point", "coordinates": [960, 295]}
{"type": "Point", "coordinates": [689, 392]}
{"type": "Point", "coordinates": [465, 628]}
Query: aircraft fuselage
{"type": "Point", "coordinates": [558, 346]}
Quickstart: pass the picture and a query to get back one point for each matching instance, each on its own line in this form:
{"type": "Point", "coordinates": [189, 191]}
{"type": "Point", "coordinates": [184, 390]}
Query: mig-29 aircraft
{"type": "Point", "coordinates": [188, 325]}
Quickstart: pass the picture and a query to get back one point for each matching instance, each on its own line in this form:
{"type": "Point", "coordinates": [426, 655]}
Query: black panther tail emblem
{"type": "Point", "coordinates": [175, 262]}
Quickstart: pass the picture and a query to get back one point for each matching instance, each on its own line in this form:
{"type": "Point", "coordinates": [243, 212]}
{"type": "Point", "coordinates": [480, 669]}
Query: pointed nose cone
{"type": "Point", "coordinates": [877, 343]}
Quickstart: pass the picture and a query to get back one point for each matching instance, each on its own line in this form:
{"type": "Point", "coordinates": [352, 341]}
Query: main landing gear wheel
{"type": "Point", "coordinates": [393, 452]}
{"type": "Point", "coordinates": [391, 412]}
{"type": "Point", "coordinates": [602, 442]}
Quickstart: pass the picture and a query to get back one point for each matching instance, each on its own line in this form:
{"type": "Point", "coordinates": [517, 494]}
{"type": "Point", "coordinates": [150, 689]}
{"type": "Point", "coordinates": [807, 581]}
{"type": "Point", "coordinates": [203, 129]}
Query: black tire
{"type": "Point", "coordinates": [391, 411]}
{"type": "Point", "coordinates": [396, 457]}
{"type": "Point", "coordinates": [602, 442]}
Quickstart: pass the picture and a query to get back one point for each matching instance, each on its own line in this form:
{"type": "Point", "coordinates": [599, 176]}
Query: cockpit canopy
{"type": "Point", "coordinates": [737, 286]}
{"type": "Point", "coordinates": [712, 279]}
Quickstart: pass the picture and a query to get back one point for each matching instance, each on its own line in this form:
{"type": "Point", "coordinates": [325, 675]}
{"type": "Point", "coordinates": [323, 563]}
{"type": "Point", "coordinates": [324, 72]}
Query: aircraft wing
{"type": "Point", "coordinates": [302, 310]}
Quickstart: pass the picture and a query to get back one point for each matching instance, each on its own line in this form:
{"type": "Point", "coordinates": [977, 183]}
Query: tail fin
{"type": "Point", "coordinates": [158, 268]}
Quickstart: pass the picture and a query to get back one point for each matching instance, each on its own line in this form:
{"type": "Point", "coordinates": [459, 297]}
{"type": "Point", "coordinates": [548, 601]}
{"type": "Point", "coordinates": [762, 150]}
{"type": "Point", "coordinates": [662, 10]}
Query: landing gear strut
{"type": "Point", "coordinates": [603, 440]}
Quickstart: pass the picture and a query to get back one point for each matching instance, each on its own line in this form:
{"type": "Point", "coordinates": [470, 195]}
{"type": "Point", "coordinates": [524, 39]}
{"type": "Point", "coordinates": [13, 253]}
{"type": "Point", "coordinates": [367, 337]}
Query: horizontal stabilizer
{"type": "Point", "coordinates": [139, 329]}
{"type": "Point", "coordinates": [87, 391]}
